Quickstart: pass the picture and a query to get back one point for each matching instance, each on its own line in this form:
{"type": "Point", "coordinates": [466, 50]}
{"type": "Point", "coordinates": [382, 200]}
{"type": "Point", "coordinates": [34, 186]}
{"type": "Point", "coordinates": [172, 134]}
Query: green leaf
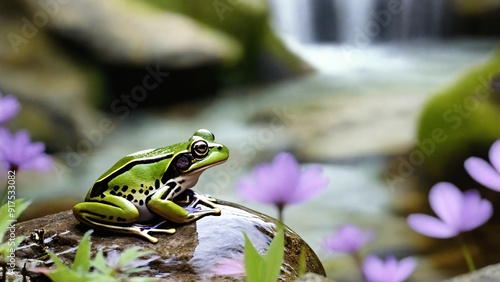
{"type": "Point", "coordinates": [62, 273]}
{"type": "Point", "coordinates": [100, 264]}
{"type": "Point", "coordinates": [57, 261]}
{"type": "Point", "coordinates": [5, 249]}
{"type": "Point", "coordinates": [253, 261]}
{"type": "Point", "coordinates": [6, 217]}
{"type": "Point", "coordinates": [302, 261]}
{"type": "Point", "coordinates": [274, 256]}
{"type": "Point", "coordinates": [99, 277]}
{"type": "Point", "coordinates": [131, 254]}
{"type": "Point", "coordinates": [82, 258]}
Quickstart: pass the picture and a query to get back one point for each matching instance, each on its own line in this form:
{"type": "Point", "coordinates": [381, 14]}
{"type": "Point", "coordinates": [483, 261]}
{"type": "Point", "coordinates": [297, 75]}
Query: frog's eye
{"type": "Point", "coordinates": [199, 149]}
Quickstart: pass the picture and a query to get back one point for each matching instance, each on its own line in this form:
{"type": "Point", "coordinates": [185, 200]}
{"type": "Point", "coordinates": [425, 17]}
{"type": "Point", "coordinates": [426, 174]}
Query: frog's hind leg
{"type": "Point", "coordinates": [113, 218]}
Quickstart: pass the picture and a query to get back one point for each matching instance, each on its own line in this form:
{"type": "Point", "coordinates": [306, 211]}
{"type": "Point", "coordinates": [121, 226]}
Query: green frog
{"type": "Point", "coordinates": [145, 184]}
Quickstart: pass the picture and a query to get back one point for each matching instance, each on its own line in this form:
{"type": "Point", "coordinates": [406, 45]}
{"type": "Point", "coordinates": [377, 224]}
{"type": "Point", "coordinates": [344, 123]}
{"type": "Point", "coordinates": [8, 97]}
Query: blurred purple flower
{"type": "Point", "coordinates": [9, 106]}
{"type": "Point", "coordinates": [457, 212]}
{"type": "Point", "coordinates": [282, 182]}
{"type": "Point", "coordinates": [348, 239]}
{"type": "Point", "coordinates": [229, 266]}
{"type": "Point", "coordinates": [390, 270]}
{"type": "Point", "coordinates": [483, 172]}
{"type": "Point", "coordinates": [17, 152]}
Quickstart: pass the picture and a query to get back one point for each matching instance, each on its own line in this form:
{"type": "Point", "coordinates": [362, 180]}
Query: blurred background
{"type": "Point", "coordinates": [355, 85]}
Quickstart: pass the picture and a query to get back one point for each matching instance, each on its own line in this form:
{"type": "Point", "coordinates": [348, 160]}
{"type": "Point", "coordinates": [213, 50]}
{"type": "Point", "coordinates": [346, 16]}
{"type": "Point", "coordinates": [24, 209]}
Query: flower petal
{"type": "Point", "coordinates": [311, 182]}
{"type": "Point", "coordinates": [42, 162]}
{"type": "Point", "coordinates": [267, 184]}
{"type": "Point", "coordinates": [446, 201]}
{"type": "Point", "coordinates": [229, 266]}
{"type": "Point", "coordinates": [430, 226]}
{"type": "Point", "coordinates": [373, 269]}
{"type": "Point", "coordinates": [476, 210]}
{"type": "Point", "coordinates": [405, 269]}
{"type": "Point", "coordinates": [9, 106]}
{"type": "Point", "coordinates": [286, 173]}
{"type": "Point", "coordinates": [494, 155]}
{"type": "Point", "coordinates": [348, 239]}
{"type": "Point", "coordinates": [483, 172]}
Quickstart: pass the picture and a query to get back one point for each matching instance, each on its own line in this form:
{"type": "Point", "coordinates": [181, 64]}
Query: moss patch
{"type": "Point", "coordinates": [469, 116]}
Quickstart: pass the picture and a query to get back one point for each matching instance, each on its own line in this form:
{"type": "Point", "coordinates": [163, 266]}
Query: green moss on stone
{"type": "Point", "coordinates": [469, 117]}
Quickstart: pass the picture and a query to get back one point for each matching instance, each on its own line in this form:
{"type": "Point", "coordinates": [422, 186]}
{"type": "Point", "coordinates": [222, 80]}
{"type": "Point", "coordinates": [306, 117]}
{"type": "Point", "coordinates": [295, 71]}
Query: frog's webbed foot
{"type": "Point", "coordinates": [204, 199]}
{"type": "Point", "coordinates": [195, 212]}
{"type": "Point", "coordinates": [143, 230]}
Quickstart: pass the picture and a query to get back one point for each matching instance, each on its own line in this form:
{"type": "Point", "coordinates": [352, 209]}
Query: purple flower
{"type": "Point", "coordinates": [229, 266]}
{"type": "Point", "coordinates": [17, 152]}
{"type": "Point", "coordinates": [9, 106]}
{"type": "Point", "coordinates": [390, 270]}
{"type": "Point", "coordinates": [484, 173]}
{"type": "Point", "coordinates": [457, 212]}
{"type": "Point", "coordinates": [282, 182]}
{"type": "Point", "coordinates": [348, 239]}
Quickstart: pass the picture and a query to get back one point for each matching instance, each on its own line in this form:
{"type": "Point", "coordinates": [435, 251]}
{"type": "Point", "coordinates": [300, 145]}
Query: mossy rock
{"type": "Point", "coordinates": [460, 121]}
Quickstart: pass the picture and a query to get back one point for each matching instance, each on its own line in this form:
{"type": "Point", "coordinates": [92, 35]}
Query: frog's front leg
{"type": "Point", "coordinates": [207, 200]}
{"type": "Point", "coordinates": [161, 203]}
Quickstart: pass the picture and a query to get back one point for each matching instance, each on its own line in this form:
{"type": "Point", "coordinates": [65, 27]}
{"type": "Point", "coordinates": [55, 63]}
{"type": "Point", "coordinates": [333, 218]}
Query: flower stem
{"type": "Point", "coordinates": [359, 262]}
{"type": "Point", "coordinates": [4, 194]}
{"type": "Point", "coordinates": [467, 255]}
{"type": "Point", "coordinates": [280, 212]}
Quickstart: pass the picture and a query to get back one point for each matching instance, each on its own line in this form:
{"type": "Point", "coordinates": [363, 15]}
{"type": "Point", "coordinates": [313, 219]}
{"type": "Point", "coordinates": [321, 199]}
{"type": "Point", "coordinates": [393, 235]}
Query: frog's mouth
{"type": "Point", "coordinates": [205, 167]}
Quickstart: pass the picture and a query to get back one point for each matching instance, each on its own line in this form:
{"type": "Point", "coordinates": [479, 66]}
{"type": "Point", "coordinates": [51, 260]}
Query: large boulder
{"type": "Point", "coordinates": [188, 255]}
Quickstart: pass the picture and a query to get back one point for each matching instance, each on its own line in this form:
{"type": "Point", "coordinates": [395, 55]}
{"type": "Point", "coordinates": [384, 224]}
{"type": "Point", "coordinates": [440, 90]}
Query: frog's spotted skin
{"type": "Point", "coordinates": [144, 184]}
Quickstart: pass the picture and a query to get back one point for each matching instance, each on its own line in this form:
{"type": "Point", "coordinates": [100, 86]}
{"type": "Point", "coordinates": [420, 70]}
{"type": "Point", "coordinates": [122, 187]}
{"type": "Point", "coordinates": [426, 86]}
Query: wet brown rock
{"type": "Point", "coordinates": [188, 255]}
{"type": "Point", "coordinates": [487, 274]}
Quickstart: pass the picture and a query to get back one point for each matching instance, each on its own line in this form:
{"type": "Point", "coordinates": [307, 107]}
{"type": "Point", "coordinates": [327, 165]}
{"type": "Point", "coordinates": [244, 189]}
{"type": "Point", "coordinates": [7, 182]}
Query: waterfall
{"type": "Point", "coordinates": [370, 20]}
{"type": "Point", "coordinates": [352, 17]}
{"type": "Point", "coordinates": [293, 18]}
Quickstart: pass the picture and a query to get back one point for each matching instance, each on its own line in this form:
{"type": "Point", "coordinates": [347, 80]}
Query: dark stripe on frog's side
{"type": "Point", "coordinates": [101, 185]}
